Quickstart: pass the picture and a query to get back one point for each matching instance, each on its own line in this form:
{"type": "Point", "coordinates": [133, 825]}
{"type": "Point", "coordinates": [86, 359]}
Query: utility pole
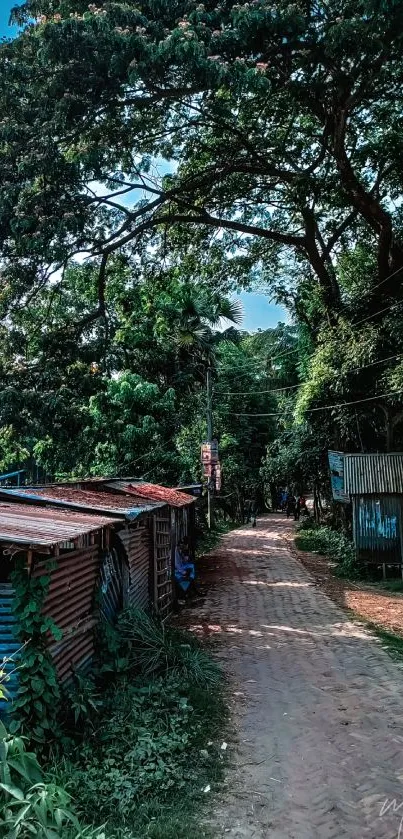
{"type": "Point", "coordinates": [209, 382]}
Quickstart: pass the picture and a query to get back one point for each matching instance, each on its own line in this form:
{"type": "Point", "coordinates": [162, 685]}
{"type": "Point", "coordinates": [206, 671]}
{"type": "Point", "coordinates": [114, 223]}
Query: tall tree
{"type": "Point", "coordinates": [276, 114]}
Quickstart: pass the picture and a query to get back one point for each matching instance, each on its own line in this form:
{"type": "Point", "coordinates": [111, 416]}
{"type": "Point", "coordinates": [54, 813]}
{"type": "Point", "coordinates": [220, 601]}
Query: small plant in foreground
{"type": "Point", "coordinates": [83, 701]}
{"type": "Point", "coordinates": [29, 806]}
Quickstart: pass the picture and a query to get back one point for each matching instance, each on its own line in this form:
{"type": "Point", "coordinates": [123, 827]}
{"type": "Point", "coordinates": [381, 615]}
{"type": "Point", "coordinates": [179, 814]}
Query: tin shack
{"type": "Point", "coordinates": [138, 551]}
{"type": "Point", "coordinates": [75, 542]}
{"type": "Point", "coordinates": [374, 483]}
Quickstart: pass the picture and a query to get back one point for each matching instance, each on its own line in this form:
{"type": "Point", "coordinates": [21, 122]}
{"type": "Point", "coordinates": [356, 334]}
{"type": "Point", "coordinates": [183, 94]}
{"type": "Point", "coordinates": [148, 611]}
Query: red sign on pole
{"type": "Point", "coordinates": [209, 453]}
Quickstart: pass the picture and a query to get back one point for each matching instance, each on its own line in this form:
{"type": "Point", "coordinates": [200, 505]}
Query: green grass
{"type": "Point", "coordinates": [211, 538]}
{"type": "Point", "coordinates": [151, 648]}
{"type": "Point", "coordinates": [392, 643]}
{"type": "Point", "coordinates": [394, 586]}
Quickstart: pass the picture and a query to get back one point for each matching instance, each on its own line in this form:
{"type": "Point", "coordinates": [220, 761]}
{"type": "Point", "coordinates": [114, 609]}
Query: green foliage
{"type": "Point", "coordinates": [148, 759]}
{"type": "Point", "coordinates": [104, 362]}
{"type": "Point", "coordinates": [332, 544]}
{"type": "Point", "coordinates": [299, 178]}
{"type": "Point", "coordinates": [36, 706]}
{"type": "Point", "coordinates": [135, 747]}
{"type": "Point", "coordinates": [152, 649]}
{"type": "Point", "coordinates": [82, 702]}
{"type": "Point", "coordinates": [30, 806]}
{"type": "Point", "coordinates": [135, 404]}
{"type": "Point", "coordinates": [10, 447]}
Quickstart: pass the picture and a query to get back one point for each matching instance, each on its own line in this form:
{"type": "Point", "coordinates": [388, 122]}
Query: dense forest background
{"type": "Point", "coordinates": [280, 127]}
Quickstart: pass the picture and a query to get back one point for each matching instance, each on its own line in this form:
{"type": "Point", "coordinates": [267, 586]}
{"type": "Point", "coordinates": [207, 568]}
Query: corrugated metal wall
{"type": "Point", "coordinates": [373, 474]}
{"type": "Point", "coordinates": [377, 528]}
{"type": "Point", "coordinates": [70, 602]}
{"type": "Point", "coordinates": [8, 644]}
{"type": "Point", "coordinates": [137, 543]}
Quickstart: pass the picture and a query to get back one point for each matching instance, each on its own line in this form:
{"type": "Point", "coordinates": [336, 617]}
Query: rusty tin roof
{"type": "Point", "coordinates": [154, 492]}
{"type": "Point", "coordinates": [29, 525]}
{"type": "Point", "coordinates": [372, 474]}
{"type": "Point", "coordinates": [121, 506]}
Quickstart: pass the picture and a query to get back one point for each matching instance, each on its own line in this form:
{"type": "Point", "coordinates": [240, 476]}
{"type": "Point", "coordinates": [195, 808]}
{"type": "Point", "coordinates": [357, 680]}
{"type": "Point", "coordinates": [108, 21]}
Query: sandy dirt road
{"type": "Point", "coordinates": [318, 703]}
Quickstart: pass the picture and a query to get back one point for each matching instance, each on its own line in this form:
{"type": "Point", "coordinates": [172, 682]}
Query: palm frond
{"type": "Point", "coordinates": [230, 310]}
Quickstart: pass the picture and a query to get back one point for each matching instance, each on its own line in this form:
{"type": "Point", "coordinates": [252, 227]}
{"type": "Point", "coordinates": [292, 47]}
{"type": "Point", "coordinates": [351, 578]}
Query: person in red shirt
{"type": "Point", "coordinates": [301, 507]}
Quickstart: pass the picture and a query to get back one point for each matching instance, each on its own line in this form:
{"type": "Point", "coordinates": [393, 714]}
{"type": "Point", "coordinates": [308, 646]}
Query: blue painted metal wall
{"type": "Point", "coordinates": [377, 527]}
{"type": "Point", "coordinates": [8, 643]}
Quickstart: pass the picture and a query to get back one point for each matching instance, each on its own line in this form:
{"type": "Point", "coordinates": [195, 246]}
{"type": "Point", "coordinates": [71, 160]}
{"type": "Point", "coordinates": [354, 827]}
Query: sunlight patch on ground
{"type": "Point", "coordinates": [279, 584]}
{"type": "Point", "coordinates": [346, 630]}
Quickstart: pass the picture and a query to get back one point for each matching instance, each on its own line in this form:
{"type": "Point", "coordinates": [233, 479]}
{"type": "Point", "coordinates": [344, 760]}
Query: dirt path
{"type": "Point", "coordinates": [318, 702]}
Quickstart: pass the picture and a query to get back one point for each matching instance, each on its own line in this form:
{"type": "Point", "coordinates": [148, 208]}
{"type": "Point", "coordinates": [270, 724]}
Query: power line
{"type": "Point", "coordinates": [288, 352]}
{"type": "Point", "coordinates": [256, 392]}
{"type": "Point", "coordinates": [324, 408]}
{"type": "Point", "coordinates": [295, 349]}
{"type": "Point", "coordinates": [142, 456]}
{"type": "Point", "coordinates": [300, 384]}
{"type": "Point", "coordinates": [386, 279]}
{"type": "Point", "coordinates": [258, 364]}
{"type": "Point", "coordinates": [386, 309]}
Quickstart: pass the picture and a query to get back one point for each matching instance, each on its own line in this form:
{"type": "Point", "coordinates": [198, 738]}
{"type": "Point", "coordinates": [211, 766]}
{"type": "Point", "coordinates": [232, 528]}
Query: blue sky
{"type": "Point", "coordinates": [5, 7]}
{"type": "Point", "coordinates": [259, 313]}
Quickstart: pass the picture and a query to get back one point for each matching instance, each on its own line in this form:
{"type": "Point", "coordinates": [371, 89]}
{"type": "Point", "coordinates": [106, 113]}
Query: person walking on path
{"type": "Point", "coordinates": [301, 507]}
{"type": "Point", "coordinates": [291, 505]}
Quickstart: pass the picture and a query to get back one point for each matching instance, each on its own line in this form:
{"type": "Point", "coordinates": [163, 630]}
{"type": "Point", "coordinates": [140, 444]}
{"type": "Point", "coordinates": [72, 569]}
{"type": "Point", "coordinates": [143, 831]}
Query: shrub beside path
{"type": "Point", "coordinates": [318, 703]}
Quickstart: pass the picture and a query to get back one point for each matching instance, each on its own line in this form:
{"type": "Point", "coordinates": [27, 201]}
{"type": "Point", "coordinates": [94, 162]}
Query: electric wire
{"type": "Point", "coordinates": [300, 384]}
{"type": "Point", "coordinates": [322, 408]}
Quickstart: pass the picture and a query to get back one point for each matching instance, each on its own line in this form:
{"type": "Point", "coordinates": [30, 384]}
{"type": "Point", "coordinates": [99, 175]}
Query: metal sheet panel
{"type": "Point", "coordinates": [374, 474]}
{"type": "Point", "coordinates": [377, 528]}
{"type": "Point", "coordinates": [8, 642]}
{"type": "Point", "coordinates": [111, 583]}
{"type": "Point", "coordinates": [30, 525]}
{"type": "Point", "coordinates": [137, 545]}
{"type": "Point", "coordinates": [336, 466]}
{"type": "Point", "coordinates": [70, 602]}
{"type": "Point", "coordinates": [127, 488]}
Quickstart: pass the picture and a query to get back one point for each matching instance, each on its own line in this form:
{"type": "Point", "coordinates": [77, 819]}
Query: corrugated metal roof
{"type": "Point", "coordinates": [29, 525]}
{"type": "Point", "coordinates": [371, 474]}
{"type": "Point", "coordinates": [85, 500]}
{"type": "Point", "coordinates": [155, 492]}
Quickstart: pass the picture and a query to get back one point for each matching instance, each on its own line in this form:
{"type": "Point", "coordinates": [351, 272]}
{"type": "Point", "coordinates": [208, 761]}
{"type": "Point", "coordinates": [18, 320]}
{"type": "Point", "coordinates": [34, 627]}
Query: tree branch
{"type": "Point", "coordinates": [343, 226]}
{"type": "Point", "coordinates": [211, 221]}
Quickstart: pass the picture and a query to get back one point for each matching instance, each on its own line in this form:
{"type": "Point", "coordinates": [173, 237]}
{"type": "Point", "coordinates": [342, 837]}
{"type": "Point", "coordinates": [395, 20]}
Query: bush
{"type": "Point", "coordinates": [331, 543]}
{"type": "Point", "coordinates": [153, 649]}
